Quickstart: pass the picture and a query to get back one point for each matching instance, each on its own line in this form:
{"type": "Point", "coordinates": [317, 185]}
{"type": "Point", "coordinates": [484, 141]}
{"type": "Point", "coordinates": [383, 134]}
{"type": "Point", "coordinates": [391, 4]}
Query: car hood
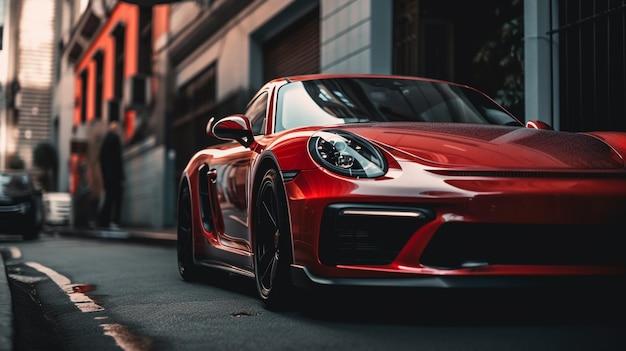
{"type": "Point", "coordinates": [488, 146]}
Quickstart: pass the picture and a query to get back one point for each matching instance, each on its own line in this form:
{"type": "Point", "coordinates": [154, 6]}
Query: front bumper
{"type": "Point", "coordinates": [303, 278]}
{"type": "Point", "coordinates": [465, 227]}
{"type": "Point", "coordinates": [15, 222]}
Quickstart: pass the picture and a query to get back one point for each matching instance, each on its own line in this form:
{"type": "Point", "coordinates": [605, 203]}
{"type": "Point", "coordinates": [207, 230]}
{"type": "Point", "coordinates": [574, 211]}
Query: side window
{"type": "Point", "coordinates": [256, 113]}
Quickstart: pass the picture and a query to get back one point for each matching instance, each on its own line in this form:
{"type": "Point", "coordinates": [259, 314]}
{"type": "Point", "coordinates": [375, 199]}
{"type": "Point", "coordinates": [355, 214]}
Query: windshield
{"type": "Point", "coordinates": [361, 100]}
{"type": "Point", "coordinates": [13, 183]}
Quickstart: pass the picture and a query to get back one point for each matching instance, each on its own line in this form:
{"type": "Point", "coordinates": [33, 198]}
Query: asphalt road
{"type": "Point", "coordinates": [73, 293]}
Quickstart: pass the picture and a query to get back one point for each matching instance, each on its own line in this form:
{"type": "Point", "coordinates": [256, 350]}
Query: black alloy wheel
{"type": "Point", "coordinates": [272, 243]}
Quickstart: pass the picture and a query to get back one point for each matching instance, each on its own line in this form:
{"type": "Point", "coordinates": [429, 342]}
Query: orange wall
{"type": "Point", "coordinates": [160, 26]}
{"type": "Point", "coordinates": [125, 13]}
{"type": "Point", "coordinates": [160, 21]}
{"type": "Point", "coordinates": [78, 95]}
{"type": "Point", "coordinates": [129, 15]}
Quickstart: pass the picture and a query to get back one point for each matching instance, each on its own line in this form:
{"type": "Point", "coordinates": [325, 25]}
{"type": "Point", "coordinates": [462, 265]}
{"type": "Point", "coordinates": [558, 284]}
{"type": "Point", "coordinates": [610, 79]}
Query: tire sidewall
{"type": "Point", "coordinates": [276, 296]}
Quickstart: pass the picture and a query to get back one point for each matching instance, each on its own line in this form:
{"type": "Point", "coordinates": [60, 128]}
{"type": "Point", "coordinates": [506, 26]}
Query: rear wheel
{"type": "Point", "coordinates": [272, 243]}
{"type": "Point", "coordinates": [31, 234]}
{"type": "Point", "coordinates": [33, 225]}
{"type": "Point", "coordinates": [184, 244]}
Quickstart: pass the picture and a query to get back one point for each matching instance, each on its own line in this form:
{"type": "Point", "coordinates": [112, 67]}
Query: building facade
{"type": "Point", "coordinates": [107, 75]}
{"type": "Point", "coordinates": [164, 70]}
{"type": "Point", "coordinates": [26, 79]}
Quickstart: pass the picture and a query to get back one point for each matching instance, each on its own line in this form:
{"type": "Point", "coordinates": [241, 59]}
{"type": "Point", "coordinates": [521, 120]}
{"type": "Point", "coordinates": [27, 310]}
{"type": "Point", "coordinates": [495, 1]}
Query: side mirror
{"type": "Point", "coordinates": [538, 125]}
{"type": "Point", "coordinates": [235, 127]}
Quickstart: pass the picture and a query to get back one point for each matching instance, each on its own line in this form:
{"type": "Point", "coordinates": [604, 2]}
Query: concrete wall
{"type": "Point", "coordinates": [145, 200]}
{"type": "Point", "coordinates": [234, 46]}
{"type": "Point", "coordinates": [63, 109]}
{"type": "Point", "coordinates": [353, 39]}
{"type": "Point", "coordinates": [538, 67]}
{"type": "Point", "coordinates": [356, 36]}
{"type": "Point", "coordinates": [34, 67]}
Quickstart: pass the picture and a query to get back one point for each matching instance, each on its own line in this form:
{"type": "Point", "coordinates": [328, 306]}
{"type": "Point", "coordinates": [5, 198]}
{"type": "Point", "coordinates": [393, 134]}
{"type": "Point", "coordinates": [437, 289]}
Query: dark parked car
{"type": "Point", "coordinates": [388, 181]}
{"type": "Point", "coordinates": [21, 205]}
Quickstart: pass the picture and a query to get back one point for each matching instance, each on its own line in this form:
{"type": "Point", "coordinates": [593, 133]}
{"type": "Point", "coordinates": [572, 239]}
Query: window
{"type": "Point", "coordinates": [197, 95]}
{"type": "Point", "coordinates": [99, 60]}
{"type": "Point", "coordinates": [592, 64]}
{"type": "Point", "coordinates": [443, 40]}
{"type": "Point", "coordinates": [145, 40]}
{"type": "Point", "coordinates": [119, 34]}
{"type": "Point", "coordinates": [256, 113]}
{"type": "Point", "coordinates": [83, 98]}
{"type": "Point", "coordinates": [2, 14]}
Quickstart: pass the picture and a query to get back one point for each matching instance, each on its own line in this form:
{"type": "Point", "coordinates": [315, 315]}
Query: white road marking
{"type": "Point", "coordinates": [82, 301]}
{"type": "Point", "coordinates": [120, 333]}
{"type": "Point", "coordinates": [11, 252]}
{"type": "Point", "coordinates": [125, 339]}
{"type": "Point", "coordinates": [15, 252]}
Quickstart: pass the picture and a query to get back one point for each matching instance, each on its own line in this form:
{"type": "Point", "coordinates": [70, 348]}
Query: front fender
{"type": "Point", "coordinates": [290, 151]}
{"type": "Point", "coordinates": [616, 140]}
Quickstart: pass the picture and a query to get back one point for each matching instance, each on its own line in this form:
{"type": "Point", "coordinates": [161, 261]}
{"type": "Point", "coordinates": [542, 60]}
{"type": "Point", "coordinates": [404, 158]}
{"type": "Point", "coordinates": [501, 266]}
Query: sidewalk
{"type": "Point", "coordinates": [165, 236]}
{"type": "Point", "coordinates": [6, 310]}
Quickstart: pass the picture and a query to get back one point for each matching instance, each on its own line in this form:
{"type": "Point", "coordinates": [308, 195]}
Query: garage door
{"type": "Point", "coordinates": [295, 50]}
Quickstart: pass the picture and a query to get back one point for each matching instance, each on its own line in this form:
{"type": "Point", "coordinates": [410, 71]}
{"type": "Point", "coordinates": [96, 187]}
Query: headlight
{"type": "Point", "coordinates": [23, 207]}
{"type": "Point", "coordinates": [347, 154]}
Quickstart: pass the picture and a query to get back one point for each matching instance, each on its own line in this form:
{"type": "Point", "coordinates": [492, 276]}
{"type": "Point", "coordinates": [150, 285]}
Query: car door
{"type": "Point", "coordinates": [230, 171]}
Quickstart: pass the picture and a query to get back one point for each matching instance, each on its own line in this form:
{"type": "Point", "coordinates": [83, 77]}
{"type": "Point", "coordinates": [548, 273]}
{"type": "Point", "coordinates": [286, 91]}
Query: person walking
{"type": "Point", "coordinates": [113, 177]}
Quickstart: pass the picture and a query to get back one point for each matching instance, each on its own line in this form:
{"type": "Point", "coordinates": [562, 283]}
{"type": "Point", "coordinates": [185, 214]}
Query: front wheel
{"type": "Point", "coordinates": [272, 242]}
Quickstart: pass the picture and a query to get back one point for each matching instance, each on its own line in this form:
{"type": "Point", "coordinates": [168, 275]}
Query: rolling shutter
{"type": "Point", "coordinates": [295, 50]}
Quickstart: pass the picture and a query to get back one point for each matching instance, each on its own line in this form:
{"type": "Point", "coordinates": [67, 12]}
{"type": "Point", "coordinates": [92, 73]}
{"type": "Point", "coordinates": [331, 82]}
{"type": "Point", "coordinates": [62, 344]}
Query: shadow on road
{"type": "Point", "coordinates": [446, 307]}
{"type": "Point", "coordinates": [463, 308]}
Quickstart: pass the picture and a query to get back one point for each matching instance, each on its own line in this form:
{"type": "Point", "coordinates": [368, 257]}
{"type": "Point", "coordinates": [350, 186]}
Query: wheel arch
{"type": "Point", "coordinates": [267, 161]}
{"type": "Point", "coordinates": [185, 245]}
{"type": "Point", "coordinates": [183, 182]}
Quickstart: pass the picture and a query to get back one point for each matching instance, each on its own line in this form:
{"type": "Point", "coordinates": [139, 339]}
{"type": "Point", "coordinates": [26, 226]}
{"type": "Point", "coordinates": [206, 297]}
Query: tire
{"type": "Point", "coordinates": [272, 243]}
{"type": "Point", "coordinates": [184, 243]}
{"type": "Point", "coordinates": [31, 234]}
{"type": "Point", "coordinates": [34, 226]}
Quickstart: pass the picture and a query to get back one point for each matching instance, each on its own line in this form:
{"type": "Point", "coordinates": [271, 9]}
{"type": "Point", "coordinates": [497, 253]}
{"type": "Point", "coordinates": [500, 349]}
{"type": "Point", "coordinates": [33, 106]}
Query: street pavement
{"type": "Point", "coordinates": [6, 310]}
{"type": "Point", "coordinates": [166, 236]}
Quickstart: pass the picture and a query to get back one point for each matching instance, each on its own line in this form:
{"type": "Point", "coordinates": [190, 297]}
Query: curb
{"type": "Point", "coordinates": [155, 236]}
{"type": "Point", "coordinates": [6, 308]}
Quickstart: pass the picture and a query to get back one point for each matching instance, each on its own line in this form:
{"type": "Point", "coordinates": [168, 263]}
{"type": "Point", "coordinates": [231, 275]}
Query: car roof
{"type": "Point", "coordinates": [306, 77]}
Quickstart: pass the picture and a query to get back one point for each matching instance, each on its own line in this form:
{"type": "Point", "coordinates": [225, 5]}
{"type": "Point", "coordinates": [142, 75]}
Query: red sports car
{"type": "Point", "coordinates": [372, 180]}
